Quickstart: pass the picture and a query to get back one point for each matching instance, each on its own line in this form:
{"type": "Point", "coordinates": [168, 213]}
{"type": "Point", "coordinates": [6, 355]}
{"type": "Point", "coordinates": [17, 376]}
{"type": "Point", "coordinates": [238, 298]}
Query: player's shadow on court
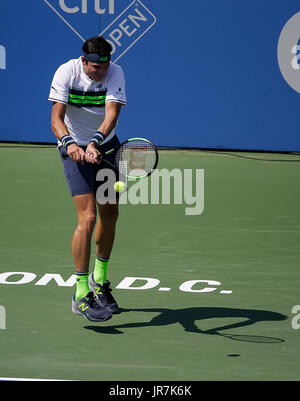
{"type": "Point", "coordinates": [188, 317]}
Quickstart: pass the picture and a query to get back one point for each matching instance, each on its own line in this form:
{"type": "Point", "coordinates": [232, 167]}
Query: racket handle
{"type": "Point", "coordinates": [107, 162]}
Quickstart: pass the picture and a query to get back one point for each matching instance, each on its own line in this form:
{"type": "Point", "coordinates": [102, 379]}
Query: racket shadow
{"type": "Point", "coordinates": [187, 319]}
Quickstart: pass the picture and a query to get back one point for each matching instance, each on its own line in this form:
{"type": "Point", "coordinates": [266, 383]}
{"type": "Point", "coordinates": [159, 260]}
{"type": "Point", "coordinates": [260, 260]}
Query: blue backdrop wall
{"type": "Point", "coordinates": [199, 73]}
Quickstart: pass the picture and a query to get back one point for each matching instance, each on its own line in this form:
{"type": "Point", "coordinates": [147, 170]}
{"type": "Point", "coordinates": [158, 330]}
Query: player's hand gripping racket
{"type": "Point", "coordinates": [135, 158]}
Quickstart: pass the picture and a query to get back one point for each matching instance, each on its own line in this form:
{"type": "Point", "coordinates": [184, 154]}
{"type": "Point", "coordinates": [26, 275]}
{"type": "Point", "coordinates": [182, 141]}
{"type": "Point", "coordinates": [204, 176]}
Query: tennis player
{"type": "Point", "coordinates": [87, 95]}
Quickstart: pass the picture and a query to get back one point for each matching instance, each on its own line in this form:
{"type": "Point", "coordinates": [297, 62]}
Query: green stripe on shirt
{"type": "Point", "coordinates": [72, 96]}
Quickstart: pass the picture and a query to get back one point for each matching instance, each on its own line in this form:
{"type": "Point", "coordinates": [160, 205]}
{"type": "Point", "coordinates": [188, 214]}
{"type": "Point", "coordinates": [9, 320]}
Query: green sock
{"type": "Point", "coordinates": [100, 270]}
{"type": "Point", "coordinates": [82, 285]}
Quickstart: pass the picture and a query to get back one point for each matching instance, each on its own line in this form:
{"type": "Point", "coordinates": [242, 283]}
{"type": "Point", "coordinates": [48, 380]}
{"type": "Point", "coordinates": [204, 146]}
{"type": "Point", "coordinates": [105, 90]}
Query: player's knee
{"type": "Point", "coordinates": [109, 214]}
{"type": "Point", "coordinates": [90, 220]}
{"type": "Point", "coordinates": [87, 221]}
{"type": "Point", "coordinates": [115, 215]}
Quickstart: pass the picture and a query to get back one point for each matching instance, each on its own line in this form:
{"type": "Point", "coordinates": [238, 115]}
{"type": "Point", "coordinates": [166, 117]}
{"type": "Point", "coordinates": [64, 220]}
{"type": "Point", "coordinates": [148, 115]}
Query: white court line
{"type": "Point", "coordinates": [30, 380]}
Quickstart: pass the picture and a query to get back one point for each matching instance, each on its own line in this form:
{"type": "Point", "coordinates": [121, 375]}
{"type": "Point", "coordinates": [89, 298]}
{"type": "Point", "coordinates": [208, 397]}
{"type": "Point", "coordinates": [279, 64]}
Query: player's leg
{"type": "Point", "coordinates": [86, 220]}
{"type": "Point", "coordinates": [104, 238]}
{"type": "Point", "coordinates": [81, 241]}
{"type": "Point", "coordinates": [84, 302]}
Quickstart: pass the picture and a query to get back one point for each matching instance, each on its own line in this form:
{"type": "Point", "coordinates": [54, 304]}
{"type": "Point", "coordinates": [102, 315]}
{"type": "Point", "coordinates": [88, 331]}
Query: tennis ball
{"type": "Point", "coordinates": [119, 186]}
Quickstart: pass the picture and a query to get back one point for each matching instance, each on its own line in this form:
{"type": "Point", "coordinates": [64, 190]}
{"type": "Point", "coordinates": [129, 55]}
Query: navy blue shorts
{"type": "Point", "coordinates": [88, 178]}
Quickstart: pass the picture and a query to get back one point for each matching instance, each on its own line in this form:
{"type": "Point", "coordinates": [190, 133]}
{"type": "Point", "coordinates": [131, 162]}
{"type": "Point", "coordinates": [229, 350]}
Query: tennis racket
{"type": "Point", "coordinates": [246, 337]}
{"type": "Point", "coordinates": [135, 158]}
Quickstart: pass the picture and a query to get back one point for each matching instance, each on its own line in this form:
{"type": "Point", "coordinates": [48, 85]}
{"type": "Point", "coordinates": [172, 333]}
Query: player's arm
{"type": "Point", "coordinates": [61, 131]}
{"type": "Point", "coordinates": [112, 111]}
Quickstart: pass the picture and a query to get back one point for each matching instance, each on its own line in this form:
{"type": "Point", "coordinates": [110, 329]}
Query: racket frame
{"type": "Point", "coordinates": [130, 140]}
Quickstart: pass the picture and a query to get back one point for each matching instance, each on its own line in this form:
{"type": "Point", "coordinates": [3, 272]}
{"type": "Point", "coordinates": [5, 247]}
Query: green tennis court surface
{"type": "Point", "coordinates": [244, 246]}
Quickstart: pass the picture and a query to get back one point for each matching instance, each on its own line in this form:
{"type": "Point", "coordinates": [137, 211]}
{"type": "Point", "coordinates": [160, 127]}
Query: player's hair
{"type": "Point", "coordinates": [97, 44]}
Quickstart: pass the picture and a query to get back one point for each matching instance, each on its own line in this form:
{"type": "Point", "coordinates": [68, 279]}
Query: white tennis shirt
{"type": "Point", "coordinates": [86, 98]}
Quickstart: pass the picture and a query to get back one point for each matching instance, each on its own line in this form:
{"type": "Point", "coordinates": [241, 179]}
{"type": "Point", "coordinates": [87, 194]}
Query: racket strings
{"type": "Point", "coordinates": [136, 158]}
